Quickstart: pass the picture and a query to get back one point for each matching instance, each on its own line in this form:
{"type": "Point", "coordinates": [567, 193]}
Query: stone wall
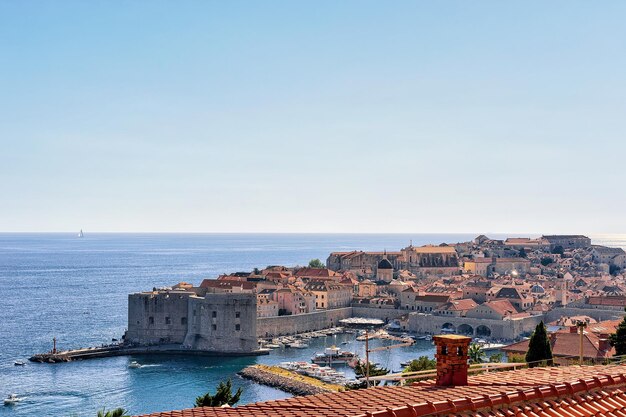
{"type": "Point", "coordinates": [385, 314]}
{"type": "Point", "coordinates": [300, 323]}
{"type": "Point", "coordinates": [155, 318]}
{"type": "Point", "coordinates": [596, 313]}
{"type": "Point", "coordinates": [216, 322]}
{"type": "Point", "coordinates": [222, 322]}
{"type": "Point", "coordinates": [498, 329]}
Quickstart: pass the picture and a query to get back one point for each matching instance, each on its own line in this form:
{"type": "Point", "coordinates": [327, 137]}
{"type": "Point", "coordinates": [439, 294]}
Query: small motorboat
{"type": "Point", "coordinates": [19, 363]}
{"type": "Point", "coordinates": [12, 399]}
{"type": "Point", "coordinates": [298, 345]}
{"type": "Point", "coordinates": [134, 364]}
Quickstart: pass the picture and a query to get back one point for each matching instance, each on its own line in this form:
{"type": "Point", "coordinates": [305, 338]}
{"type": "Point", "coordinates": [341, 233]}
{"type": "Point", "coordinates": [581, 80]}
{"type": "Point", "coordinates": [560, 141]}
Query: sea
{"type": "Point", "coordinates": [76, 289]}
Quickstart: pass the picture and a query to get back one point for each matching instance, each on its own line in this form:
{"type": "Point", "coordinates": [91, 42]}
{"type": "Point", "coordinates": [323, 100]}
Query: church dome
{"type": "Point", "coordinates": [537, 289]}
{"type": "Point", "coordinates": [385, 264]}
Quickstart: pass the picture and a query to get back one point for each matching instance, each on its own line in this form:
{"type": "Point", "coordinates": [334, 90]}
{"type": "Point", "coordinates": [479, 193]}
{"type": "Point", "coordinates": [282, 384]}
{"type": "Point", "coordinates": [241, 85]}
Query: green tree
{"type": "Point", "coordinates": [618, 339]}
{"type": "Point", "coordinates": [546, 261]}
{"type": "Point", "coordinates": [558, 250]}
{"type": "Point", "coordinates": [476, 353]}
{"type": "Point", "coordinates": [522, 253]}
{"type": "Point", "coordinates": [316, 263]}
{"type": "Point", "coordinates": [223, 395]}
{"type": "Point", "coordinates": [614, 270]}
{"type": "Point", "coordinates": [361, 369]}
{"type": "Point", "coordinates": [422, 363]}
{"type": "Point", "coordinates": [539, 349]}
{"type": "Point", "coordinates": [117, 412]}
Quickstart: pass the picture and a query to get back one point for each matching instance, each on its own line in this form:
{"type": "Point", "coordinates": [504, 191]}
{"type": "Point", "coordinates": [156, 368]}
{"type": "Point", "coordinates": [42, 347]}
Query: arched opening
{"type": "Point", "coordinates": [483, 330]}
{"type": "Point", "coordinates": [448, 328]}
{"type": "Point", "coordinates": [465, 329]}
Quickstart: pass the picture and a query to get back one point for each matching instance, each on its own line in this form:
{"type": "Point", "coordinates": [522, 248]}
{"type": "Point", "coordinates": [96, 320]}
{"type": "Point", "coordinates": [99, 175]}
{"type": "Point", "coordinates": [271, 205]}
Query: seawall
{"type": "Point", "coordinates": [301, 323]}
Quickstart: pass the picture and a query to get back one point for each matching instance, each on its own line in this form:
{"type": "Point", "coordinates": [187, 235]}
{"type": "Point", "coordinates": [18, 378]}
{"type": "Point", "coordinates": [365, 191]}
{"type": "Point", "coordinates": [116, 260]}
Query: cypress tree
{"type": "Point", "coordinates": [539, 348]}
{"type": "Point", "coordinates": [618, 339]}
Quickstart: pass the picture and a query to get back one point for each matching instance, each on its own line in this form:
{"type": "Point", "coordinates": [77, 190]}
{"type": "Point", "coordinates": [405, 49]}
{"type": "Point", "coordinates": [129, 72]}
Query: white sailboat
{"type": "Point", "coordinates": [80, 234]}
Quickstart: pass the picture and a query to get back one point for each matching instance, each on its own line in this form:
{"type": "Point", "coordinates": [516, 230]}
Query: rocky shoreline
{"type": "Point", "coordinates": [281, 382]}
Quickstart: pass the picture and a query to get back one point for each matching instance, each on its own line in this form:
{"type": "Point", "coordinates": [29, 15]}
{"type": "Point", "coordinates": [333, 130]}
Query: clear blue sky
{"type": "Point", "coordinates": [313, 116]}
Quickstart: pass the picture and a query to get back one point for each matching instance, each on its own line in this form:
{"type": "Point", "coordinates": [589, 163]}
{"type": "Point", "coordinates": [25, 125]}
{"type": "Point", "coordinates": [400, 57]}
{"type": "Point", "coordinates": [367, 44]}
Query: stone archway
{"type": "Point", "coordinates": [448, 328]}
{"type": "Point", "coordinates": [483, 330]}
{"type": "Point", "coordinates": [465, 329]}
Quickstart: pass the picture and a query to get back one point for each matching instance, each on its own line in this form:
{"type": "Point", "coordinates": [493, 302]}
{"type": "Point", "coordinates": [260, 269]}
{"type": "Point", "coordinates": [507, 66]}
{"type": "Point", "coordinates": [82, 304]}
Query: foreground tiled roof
{"type": "Point", "coordinates": [551, 392]}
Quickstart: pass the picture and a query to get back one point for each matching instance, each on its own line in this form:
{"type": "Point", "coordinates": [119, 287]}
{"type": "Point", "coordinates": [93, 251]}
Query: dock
{"type": "Point", "coordinates": [122, 350]}
{"type": "Point", "coordinates": [287, 381]}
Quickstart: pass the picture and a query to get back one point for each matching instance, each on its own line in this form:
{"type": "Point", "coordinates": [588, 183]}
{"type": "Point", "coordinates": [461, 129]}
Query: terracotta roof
{"type": "Point", "coordinates": [315, 272]}
{"type": "Point", "coordinates": [617, 301]}
{"type": "Point", "coordinates": [567, 344]}
{"type": "Point", "coordinates": [227, 283]}
{"type": "Point", "coordinates": [550, 392]}
{"type": "Point", "coordinates": [433, 249]}
{"type": "Point", "coordinates": [502, 307]}
{"type": "Point", "coordinates": [459, 305]}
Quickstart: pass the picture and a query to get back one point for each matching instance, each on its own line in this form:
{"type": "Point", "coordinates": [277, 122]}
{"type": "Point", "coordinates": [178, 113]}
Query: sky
{"type": "Point", "coordinates": [313, 116]}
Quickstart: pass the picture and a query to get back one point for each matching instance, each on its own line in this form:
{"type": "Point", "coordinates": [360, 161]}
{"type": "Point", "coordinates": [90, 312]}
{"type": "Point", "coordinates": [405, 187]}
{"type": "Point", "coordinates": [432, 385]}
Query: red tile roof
{"type": "Point", "coordinates": [550, 392]}
{"type": "Point", "coordinates": [567, 344]}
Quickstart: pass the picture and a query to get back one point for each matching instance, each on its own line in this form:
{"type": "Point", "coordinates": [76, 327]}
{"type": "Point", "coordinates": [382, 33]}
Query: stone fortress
{"type": "Point", "coordinates": [191, 318]}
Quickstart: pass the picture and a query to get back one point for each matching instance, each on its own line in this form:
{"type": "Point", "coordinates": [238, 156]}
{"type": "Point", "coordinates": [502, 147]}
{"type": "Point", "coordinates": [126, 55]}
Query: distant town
{"type": "Point", "coordinates": [485, 288]}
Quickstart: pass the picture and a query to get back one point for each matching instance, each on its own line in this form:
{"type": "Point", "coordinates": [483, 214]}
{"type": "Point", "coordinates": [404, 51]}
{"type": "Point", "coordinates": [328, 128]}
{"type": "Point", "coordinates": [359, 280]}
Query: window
{"type": "Point", "coordinates": [237, 314]}
{"type": "Point", "coordinates": [237, 327]}
{"type": "Point", "coordinates": [214, 327]}
{"type": "Point", "coordinates": [168, 320]}
{"type": "Point", "coordinates": [183, 320]}
{"type": "Point", "coordinates": [150, 320]}
{"type": "Point", "coordinates": [214, 314]}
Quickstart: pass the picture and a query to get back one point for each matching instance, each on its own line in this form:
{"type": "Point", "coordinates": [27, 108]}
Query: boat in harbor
{"type": "Point", "coordinates": [134, 364]}
{"type": "Point", "coordinates": [299, 345]}
{"type": "Point", "coordinates": [334, 355]}
{"type": "Point", "coordinates": [19, 363]}
{"type": "Point", "coordinates": [12, 399]}
{"type": "Point", "coordinates": [80, 234]}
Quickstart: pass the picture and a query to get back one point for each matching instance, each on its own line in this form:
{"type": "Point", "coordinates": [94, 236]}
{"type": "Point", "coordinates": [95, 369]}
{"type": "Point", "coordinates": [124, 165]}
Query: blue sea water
{"type": "Point", "coordinates": [76, 289]}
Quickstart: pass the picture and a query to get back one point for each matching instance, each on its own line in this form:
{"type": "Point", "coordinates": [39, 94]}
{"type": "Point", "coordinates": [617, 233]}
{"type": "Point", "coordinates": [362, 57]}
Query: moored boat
{"type": "Point", "coordinates": [333, 355]}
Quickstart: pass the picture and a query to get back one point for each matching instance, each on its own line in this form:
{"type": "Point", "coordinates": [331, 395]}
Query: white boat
{"type": "Point", "coordinates": [19, 363]}
{"type": "Point", "coordinates": [134, 364]}
{"type": "Point", "coordinates": [428, 337]}
{"type": "Point", "coordinates": [333, 355]}
{"type": "Point", "coordinates": [298, 345]}
{"type": "Point", "coordinates": [272, 346]}
{"type": "Point", "coordinates": [12, 399]}
{"type": "Point", "coordinates": [80, 234]}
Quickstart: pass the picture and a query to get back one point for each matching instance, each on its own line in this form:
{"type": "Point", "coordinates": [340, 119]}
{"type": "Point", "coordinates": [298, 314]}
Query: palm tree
{"type": "Point", "coordinates": [117, 412]}
{"type": "Point", "coordinates": [223, 396]}
{"type": "Point", "coordinates": [476, 353]}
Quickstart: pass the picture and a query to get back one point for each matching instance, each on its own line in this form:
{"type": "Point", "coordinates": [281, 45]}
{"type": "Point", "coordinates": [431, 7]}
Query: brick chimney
{"type": "Point", "coordinates": [452, 359]}
{"type": "Point", "coordinates": [604, 345]}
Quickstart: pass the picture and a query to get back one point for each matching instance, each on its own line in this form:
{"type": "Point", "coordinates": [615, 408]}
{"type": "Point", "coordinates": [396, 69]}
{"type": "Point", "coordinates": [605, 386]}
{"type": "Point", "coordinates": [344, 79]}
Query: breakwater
{"type": "Point", "coordinates": [287, 381]}
{"type": "Point", "coordinates": [121, 350]}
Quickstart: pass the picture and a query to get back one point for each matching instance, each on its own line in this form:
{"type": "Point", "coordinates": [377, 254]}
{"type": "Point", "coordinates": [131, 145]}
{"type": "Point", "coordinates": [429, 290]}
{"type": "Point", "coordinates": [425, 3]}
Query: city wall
{"type": "Point", "coordinates": [498, 329]}
{"type": "Point", "coordinates": [596, 313]}
{"type": "Point", "coordinates": [300, 323]}
{"type": "Point", "coordinates": [384, 314]}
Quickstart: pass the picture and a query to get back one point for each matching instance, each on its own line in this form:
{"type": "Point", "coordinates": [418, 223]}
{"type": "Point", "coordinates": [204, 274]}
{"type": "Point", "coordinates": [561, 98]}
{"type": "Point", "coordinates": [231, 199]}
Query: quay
{"type": "Point", "coordinates": [287, 381]}
{"type": "Point", "coordinates": [121, 350]}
